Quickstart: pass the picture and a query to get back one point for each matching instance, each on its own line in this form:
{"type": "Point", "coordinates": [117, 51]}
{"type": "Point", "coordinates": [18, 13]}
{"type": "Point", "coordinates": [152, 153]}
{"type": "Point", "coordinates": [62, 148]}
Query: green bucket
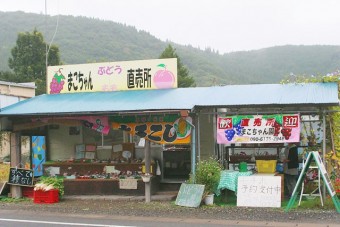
{"type": "Point", "coordinates": [243, 167]}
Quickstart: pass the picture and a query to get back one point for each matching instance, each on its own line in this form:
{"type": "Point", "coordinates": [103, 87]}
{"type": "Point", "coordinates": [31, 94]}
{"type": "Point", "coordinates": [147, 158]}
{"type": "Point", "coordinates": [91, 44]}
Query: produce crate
{"type": "Point", "coordinates": [27, 192]}
{"type": "Point", "coordinates": [51, 196]}
{"type": "Point", "coordinates": [266, 166]}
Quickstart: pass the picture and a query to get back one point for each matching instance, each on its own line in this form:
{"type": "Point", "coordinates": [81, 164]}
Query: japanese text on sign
{"type": "Point", "coordinates": [177, 132]}
{"type": "Point", "coordinates": [113, 76]}
{"type": "Point", "coordinates": [79, 81]}
{"type": "Point", "coordinates": [259, 191]}
{"type": "Point", "coordinates": [139, 78]}
{"type": "Point", "coordinates": [258, 129]}
{"type": "Point", "coordinates": [20, 176]}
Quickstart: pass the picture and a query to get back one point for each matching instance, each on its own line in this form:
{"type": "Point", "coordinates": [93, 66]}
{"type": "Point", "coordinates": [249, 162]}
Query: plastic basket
{"type": "Point", "coordinates": [266, 166]}
{"type": "Point", "coordinates": [51, 196]}
{"type": "Point", "coordinates": [265, 157]}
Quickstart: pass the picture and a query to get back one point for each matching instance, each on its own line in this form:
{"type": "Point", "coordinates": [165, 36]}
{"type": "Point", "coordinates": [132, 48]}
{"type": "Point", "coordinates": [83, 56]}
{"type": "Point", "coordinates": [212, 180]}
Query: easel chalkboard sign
{"type": "Point", "coordinates": [190, 195]}
{"type": "Point", "coordinates": [315, 155]}
{"type": "Point", "coordinates": [19, 176]}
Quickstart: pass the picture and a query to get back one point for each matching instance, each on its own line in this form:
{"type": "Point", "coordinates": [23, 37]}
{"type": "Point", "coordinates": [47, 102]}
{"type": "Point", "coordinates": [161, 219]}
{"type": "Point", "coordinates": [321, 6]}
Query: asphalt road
{"type": "Point", "coordinates": [14, 218]}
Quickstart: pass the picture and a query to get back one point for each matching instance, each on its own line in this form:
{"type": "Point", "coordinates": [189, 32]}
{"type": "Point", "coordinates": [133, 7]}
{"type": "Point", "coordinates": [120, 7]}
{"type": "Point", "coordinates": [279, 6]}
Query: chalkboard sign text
{"type": "Point", "coordinates": [19, 176]}
{"type": "Point", "coordinates": [190, 195]}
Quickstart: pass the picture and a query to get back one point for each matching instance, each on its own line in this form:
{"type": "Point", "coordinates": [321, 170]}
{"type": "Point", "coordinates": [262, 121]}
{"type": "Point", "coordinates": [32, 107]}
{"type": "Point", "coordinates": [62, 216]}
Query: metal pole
{"type": "Point", "coordinates": [197, 120]}
{"type": "Point", "coordinates": [147, 170]}
{"type": "Point", "coordinates": [193, 150]}
{"type": "Point", "coordinates": [324, 152]}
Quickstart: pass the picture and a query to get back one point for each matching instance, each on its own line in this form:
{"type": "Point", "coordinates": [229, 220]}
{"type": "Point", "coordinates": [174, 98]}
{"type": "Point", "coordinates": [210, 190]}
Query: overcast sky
{"type": "Point", "coordinates": [223, 25]}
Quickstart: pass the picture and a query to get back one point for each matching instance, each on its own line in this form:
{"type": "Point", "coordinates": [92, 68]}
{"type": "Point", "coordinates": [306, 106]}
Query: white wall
{"type": "Point", "coordinates": [62, 145]}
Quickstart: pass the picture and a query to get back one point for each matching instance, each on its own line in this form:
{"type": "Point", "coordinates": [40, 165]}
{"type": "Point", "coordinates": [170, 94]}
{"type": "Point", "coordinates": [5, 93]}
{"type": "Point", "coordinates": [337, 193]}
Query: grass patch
{"type": "Point", "coordinates": [6, 199]}
{"type": "Point", "coordinates": [316, 204]}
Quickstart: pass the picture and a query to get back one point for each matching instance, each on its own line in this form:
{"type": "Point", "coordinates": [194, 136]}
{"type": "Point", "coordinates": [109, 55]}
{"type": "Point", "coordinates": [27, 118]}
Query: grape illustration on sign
{"type": "Point", "coordinates": [163, 78]}
{"type": "Point", "coordinates": [57, 83]}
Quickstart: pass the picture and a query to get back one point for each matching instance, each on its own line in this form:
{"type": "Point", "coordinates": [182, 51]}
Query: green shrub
{"type": "Point", "coordinates": [208, 173]}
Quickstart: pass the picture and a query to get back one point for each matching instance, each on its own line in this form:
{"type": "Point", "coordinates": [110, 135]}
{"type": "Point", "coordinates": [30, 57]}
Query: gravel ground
{"type": "Point", "coordinates": [168, 209]}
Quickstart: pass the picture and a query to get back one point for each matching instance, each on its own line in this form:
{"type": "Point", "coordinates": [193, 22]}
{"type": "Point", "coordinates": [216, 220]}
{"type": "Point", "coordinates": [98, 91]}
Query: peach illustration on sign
{"type": "Point", "coordinates": [163, 78]}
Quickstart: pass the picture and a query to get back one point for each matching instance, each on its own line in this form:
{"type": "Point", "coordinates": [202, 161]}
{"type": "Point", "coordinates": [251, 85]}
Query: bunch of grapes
{"type": "Point", "coordinates": [277, 127]}
{"type": "Point", "coordinates": [286, 132]}
{"type": "Point", "coordinates": [238, 129]}
{"type": "Point", "coordinates": [55, 86]}
{"type": "Point", "coordinates": [229, 134]}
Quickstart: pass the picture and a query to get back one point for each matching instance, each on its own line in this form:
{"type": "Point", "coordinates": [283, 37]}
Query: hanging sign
{"type": "Point", "coordinates": [112, 76]}
{"type": "Point", "coordinates": [97, 123]}
{"type": "Point", "coordinates": [159, 129]}
{"type": "Point", "coordinates": [279, 128]}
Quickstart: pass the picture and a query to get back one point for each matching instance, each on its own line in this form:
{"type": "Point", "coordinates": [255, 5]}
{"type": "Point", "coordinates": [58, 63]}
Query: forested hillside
{"type": "Point", "coordinates": [85, 40]}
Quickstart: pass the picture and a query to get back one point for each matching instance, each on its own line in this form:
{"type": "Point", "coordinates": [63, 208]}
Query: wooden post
{"type": "Point", "coordinates": [15, 161]}
{"type": "Point", "coordinates": [147, 153]}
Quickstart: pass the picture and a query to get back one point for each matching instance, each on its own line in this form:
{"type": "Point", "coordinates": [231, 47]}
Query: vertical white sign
{"type": "Point", "coordinates": [259, 191]}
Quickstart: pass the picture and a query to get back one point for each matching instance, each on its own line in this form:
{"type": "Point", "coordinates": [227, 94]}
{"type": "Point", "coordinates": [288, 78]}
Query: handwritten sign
{"type": "Point", "coordinates": [19, 176]}
{"type": "Point", "coordinates": [190, 195]}
{"type": "Point", "coordinates": [259, 191]}
{"type": "Point", "coordinates": [127, 183]}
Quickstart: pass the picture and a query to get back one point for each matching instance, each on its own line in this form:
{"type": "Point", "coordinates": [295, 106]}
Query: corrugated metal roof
{"type": "Point", "coordinates": [28, 84]}
{"type": "Point", "coordinates": [177, 99]}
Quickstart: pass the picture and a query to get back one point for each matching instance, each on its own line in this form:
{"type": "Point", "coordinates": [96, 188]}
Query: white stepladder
{"type": "Point", "coordinates": [317, 188]}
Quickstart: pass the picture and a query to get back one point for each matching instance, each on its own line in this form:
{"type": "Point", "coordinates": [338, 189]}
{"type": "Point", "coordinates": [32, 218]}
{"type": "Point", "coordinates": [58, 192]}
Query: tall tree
{"type": "Point", "coordinates": [28, 59]}
{"type": "Point", "coordinates": [184, 80]}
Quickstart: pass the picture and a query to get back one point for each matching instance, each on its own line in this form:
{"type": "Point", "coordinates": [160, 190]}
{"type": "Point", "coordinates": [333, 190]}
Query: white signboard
{"type": "Point", "coordinates": [127, 183]}
{"type": "Point", "coordinates": [112, 76]}
{"type": "Point", "coordinates": [259, 191]}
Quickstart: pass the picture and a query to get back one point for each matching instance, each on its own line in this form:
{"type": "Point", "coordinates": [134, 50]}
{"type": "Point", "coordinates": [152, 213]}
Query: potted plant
{"type": "Point", "coordinates": [208, 173]}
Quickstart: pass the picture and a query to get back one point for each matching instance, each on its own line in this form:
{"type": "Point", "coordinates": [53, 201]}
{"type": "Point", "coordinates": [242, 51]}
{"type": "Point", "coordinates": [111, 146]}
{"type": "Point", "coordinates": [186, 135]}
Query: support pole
{"type": "Point", "coordinates": [147, 155]}
{"type": "Point", "coordinates": [15, 161]}
{"type": "Point", "coordinates": [324, 152]}
{"type": "Point", "coordinates": [193, 149]}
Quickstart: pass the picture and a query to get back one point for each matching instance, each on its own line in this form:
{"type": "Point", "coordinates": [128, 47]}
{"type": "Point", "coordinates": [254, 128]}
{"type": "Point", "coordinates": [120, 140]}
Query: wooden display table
{"type": "Point", "coordinates": [85, 168]}
{"type": "Point", "coordinates": [106, 187]}
{"type": "Point", "coordinates": [100, 186]}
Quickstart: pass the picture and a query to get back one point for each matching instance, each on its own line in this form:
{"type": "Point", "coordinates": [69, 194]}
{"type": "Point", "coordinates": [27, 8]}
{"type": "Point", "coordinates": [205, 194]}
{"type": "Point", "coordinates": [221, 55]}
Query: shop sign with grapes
{"type": "Point", "coordinates": [278, 128]}
{"type": "Point", "coordinates": [112, 76]}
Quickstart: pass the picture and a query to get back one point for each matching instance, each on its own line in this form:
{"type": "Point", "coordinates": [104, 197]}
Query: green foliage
{"type": "Point", "coordinates": [86, 40]}
{"type": "Point", "coordinates": [184, 80]}
{"type": "Point", "coordinates": [208, 172]}
{"type": "Point", "coordinates": [333, 118]}
{"type": "Point", "coordinates": [57, 182]}
{"type": "Point", "coordinates": [13, 200]}
{"type": "Point", "coordinates": [11, 77]}
{"type": "Point", "coordinates": [28, 59]}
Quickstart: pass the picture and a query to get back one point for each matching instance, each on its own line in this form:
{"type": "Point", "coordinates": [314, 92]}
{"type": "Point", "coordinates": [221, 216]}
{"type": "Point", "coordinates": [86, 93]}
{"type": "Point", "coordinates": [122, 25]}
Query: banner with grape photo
{"type": "Point", "coordinates": [277, 128]}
